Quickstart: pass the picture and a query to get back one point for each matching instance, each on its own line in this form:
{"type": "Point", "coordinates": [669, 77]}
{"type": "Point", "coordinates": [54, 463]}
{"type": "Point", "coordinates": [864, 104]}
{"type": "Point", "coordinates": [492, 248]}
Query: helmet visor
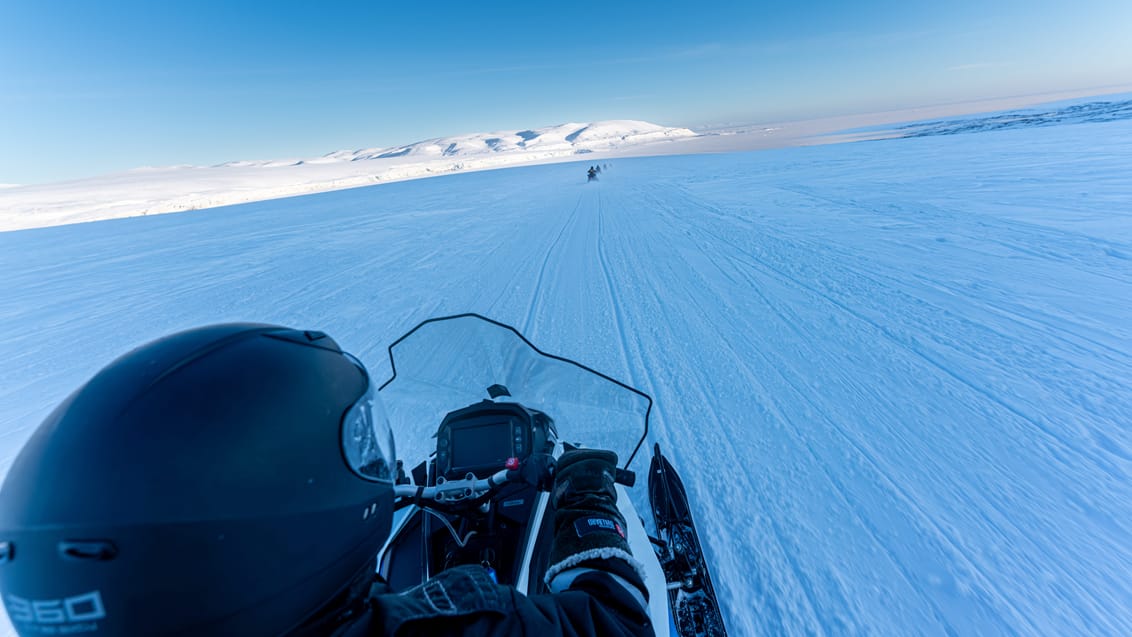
{"type": "Point", "coordinates": [367, 440]}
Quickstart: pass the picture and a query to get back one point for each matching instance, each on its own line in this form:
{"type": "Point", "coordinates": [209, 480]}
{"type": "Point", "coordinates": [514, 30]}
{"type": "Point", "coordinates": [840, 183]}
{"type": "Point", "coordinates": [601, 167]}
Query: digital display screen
{"type": "Point", "coordinates": [483, 445]}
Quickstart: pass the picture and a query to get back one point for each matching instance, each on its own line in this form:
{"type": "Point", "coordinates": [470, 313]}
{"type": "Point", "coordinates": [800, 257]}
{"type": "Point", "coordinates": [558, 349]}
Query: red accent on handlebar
{"type": "Point", "coordinates": [512, 463]}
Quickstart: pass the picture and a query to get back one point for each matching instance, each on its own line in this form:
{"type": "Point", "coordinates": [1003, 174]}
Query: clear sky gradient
{"type": "Point", "coordinates": [93, 87]}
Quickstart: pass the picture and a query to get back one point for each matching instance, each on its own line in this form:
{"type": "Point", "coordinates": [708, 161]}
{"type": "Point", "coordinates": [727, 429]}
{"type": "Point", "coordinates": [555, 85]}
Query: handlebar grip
{"type": "Point", "coordinates": [625, 477]}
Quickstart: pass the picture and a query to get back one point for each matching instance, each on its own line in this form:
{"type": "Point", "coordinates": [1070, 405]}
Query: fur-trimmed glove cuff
{"type": "Point", "coordinates": [587, 523]}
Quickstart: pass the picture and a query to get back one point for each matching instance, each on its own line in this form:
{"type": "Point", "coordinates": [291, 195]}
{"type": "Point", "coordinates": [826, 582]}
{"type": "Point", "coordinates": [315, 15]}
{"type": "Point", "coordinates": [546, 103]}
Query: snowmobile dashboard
{"type": "Point", "coordinates": [482, 438]}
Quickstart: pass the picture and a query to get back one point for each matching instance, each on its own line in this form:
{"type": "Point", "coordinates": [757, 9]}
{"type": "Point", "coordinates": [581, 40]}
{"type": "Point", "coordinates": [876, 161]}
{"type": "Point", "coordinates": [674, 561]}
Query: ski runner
{"type": "Point", "coordinates": [238, 480]}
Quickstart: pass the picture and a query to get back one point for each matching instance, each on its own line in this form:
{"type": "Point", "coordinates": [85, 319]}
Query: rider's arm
{"type": "Point", "coordinates": [464, 601]}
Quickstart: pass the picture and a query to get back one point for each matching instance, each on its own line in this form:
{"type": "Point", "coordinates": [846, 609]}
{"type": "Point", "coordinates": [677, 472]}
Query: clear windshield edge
{"type": "Point", "coordinates": [447, 363]}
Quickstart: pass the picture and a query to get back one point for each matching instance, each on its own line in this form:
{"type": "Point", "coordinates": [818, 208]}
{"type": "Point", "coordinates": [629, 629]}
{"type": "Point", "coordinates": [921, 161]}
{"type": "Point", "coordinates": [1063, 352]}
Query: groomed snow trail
{"type": "Point", "coordinates": [893, 375]}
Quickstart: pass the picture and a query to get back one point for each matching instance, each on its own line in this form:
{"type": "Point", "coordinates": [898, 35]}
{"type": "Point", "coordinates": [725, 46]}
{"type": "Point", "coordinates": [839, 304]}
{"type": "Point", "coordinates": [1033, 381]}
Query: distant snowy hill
{"type": "Point", "coordinates": [552, 141]}
{"type": "Point", "coordinates": [179, 188]}
{"type": "Point", "coordinates": [1078, 111]}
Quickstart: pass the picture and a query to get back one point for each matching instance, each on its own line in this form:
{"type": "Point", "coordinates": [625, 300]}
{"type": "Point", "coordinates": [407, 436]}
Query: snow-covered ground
{"type": "Point", "coordinates": [895, 375]}
{"type": "Point", "coordinates": [158, 190]}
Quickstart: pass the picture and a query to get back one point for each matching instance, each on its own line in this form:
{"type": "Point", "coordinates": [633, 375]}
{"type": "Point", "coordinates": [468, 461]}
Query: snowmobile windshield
{"type": "Point", "coordinates": [445, 364]}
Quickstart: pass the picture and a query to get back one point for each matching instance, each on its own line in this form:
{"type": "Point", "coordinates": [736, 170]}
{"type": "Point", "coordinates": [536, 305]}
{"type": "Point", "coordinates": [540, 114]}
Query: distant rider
{"type": "Point", "coordinates": [237, 480]}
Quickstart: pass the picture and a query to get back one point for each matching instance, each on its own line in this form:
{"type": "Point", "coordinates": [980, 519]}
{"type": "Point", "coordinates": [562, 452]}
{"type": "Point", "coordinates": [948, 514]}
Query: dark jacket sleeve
{"type": "Point", "coordinates": [464, 601]}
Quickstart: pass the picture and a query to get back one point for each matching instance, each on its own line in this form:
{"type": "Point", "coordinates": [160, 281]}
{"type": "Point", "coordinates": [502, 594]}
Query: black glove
{"type": "Point", "coordinates": [588, 526]}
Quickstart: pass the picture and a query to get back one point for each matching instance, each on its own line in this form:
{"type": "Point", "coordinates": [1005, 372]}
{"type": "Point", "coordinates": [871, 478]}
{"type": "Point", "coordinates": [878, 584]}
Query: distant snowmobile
{"type": "Point", "coordinates": [591, 174]}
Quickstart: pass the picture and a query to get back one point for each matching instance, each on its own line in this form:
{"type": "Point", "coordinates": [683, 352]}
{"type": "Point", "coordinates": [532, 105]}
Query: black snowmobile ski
{"type": "Point", "coordinates": [695, 612]}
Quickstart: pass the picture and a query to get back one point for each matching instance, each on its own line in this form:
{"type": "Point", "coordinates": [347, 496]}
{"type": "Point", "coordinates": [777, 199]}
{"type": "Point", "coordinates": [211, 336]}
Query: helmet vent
{"type": "Point", "coordinates": [97, 550]}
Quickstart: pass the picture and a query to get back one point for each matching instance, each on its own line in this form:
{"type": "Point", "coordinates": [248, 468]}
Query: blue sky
{"type": "Point", "coordinates": [92, 87]}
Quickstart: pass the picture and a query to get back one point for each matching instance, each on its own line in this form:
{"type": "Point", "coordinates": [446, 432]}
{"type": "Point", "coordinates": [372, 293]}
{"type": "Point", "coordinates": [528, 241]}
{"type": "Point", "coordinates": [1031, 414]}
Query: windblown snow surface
{"type": "Point", "coordinates": [895, 375]}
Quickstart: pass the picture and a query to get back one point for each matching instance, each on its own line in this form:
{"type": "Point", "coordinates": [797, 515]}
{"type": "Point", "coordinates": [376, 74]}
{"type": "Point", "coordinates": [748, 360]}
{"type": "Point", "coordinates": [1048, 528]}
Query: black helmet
{"type": "Point", "coordinates": [230, 479]}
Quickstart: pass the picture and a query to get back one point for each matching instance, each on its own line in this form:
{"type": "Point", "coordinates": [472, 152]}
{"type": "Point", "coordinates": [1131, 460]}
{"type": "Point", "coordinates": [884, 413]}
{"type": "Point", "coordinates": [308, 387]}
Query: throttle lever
{"type": "Point", "coordinates": [625, 477]}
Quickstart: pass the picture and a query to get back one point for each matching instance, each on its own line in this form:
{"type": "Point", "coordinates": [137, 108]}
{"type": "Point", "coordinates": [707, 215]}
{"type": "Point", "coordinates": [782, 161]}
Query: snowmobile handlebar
{"type": "Point", "coordinates": [470, 488]}
{"type": "Point", "coordinates": [456, 491]}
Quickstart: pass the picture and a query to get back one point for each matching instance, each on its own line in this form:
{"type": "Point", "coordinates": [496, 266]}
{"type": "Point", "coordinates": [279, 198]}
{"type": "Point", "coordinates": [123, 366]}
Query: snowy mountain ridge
{"type": "Point", "coordinates": [560, 140]}
{"type": "Point", "coordinates": [156, 190]}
